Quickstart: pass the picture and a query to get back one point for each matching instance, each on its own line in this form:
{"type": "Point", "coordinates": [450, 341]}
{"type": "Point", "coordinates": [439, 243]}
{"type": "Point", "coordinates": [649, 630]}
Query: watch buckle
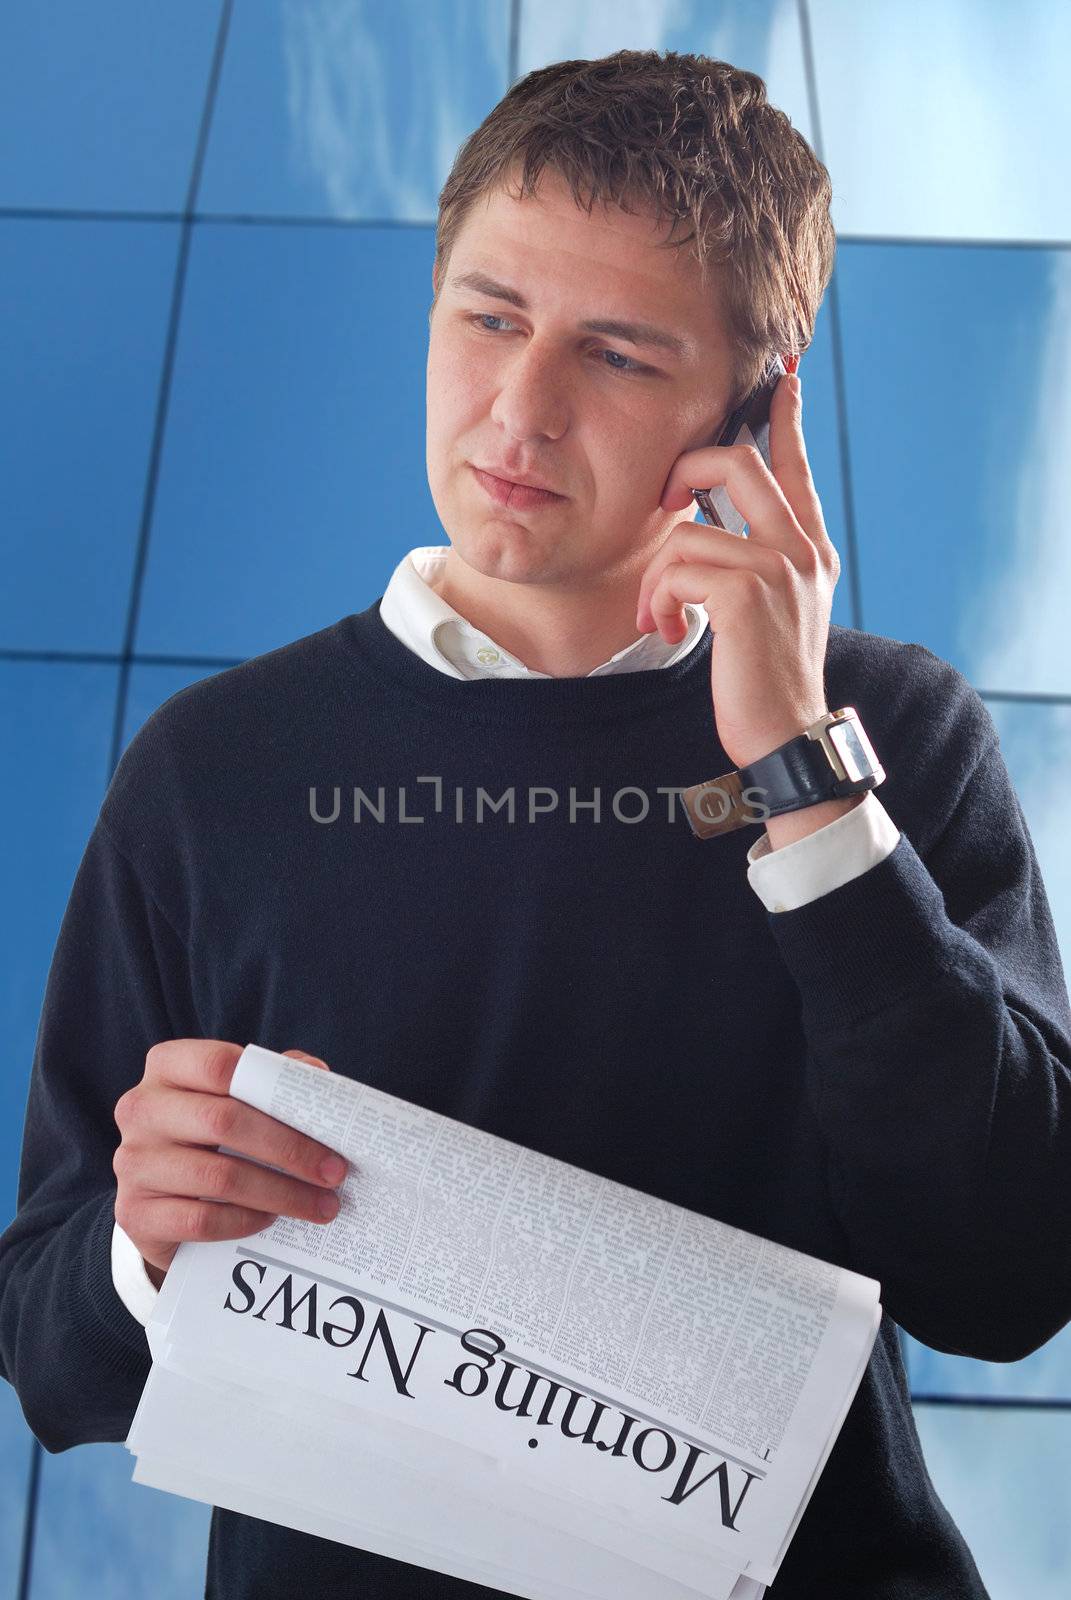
{"type": "Point", "coordinates": [819, 731]}
{"type": "Point", "coordinates": [847, 747]}
{"type": "Point", "coordinates": [716, 806]}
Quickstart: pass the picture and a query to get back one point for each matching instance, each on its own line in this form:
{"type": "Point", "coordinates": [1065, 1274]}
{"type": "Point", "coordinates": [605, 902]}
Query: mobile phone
{"type": "Point", "coordinates": [748, 424]}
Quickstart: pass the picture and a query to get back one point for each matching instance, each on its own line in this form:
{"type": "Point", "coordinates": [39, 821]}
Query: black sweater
{"type": "Point", "coordinates": [880, 1078]}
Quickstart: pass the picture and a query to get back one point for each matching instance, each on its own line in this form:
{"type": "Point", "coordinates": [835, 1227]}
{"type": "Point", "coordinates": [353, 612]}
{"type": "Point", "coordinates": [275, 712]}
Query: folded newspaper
{"type": "Point", "coordinates": [497, 1365]}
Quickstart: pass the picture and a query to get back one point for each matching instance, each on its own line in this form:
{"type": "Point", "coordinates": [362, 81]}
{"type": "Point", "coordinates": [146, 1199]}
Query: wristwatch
{"type": "Point", "coordinates": [832, 759]}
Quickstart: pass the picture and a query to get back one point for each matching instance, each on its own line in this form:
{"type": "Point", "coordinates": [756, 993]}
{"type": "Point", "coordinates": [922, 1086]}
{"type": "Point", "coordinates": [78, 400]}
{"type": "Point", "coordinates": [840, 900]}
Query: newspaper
{"type": "Point", "coordinates": [488, 1346]}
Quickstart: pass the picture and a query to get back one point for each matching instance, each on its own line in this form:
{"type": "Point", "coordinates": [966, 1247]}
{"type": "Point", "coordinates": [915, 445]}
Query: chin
{"type": "Point", "coordinates": [491, 548]}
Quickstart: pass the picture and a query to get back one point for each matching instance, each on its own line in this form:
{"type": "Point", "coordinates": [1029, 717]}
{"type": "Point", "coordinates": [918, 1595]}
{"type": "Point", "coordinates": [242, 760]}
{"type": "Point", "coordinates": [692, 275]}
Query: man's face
{"type": "Point", "coordinates": [592, 415]}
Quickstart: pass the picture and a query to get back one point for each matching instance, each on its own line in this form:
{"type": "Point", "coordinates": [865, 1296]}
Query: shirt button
{"type": "Point", "coordinates": [487, 655]}
{"type": "Point", "coordinates": [779, 906]}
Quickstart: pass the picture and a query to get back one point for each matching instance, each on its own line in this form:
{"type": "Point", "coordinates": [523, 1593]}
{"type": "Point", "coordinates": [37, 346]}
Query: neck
{"type": "Point", "coordinates": [563, 633]}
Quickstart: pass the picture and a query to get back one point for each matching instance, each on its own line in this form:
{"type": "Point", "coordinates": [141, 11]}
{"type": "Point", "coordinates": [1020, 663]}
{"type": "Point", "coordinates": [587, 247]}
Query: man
{"type": "Point", "coordinates": [851, 1035]}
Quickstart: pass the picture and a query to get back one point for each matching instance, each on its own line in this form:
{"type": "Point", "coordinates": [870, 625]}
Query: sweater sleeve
{"type": "Point", "coordinates": [935, 1011]}
{"type": "Point", "coordinates": [117, 984]}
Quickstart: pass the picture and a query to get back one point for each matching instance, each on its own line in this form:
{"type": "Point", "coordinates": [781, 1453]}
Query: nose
{"type": "Point", "coordinates": [532, 400]}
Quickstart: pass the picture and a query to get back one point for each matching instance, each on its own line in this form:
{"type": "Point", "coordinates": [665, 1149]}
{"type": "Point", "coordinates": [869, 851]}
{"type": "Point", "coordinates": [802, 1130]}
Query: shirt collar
{"type": "Point", "coordinates": [416, 614]}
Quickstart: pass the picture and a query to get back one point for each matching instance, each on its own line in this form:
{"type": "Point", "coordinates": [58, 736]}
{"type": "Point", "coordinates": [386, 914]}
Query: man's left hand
{"type": "Point", "coordinates": [768, 596]}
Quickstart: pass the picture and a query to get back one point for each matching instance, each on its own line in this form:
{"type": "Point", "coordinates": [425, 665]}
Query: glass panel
{"type": "Point", "coordinates": [101, 105]}
{"type": "Point", "coordinates": [955, 401]}
{"type": "Point", "coordinates": [949, 120]}
{"type": "Point", "coordinates": [16, 1443]}
{"type": "Point", "coordinates": [293, 478]}
{"type": "Point", "coordinates": [1002, 1475]}
{"type": "Point", "coordinates": [101, 1536]}
{"type": "Point", "coordinates": [57, 722]}
{"type": "Point", "coordinates": [81, 349]}
{"type": "Point", "coordinates": [350, 110]}
{"type": "Point", "coordinates": [1035, 741]}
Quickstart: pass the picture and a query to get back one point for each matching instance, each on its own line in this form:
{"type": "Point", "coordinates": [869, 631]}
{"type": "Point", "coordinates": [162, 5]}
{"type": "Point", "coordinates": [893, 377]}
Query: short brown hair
{"type": "Point", "coordinates": [695, 140]}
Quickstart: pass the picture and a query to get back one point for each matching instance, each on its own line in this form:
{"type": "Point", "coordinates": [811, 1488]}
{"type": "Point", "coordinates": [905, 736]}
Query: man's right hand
{"type": "Point", "coordinates": [173, 1184]}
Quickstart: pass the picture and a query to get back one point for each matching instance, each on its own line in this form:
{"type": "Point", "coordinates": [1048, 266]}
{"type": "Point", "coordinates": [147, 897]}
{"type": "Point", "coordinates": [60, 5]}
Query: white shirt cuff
{"type": "Point", "coordinates": [843, 849]}
{"type": "Point", "coordinates": [132, 1283]}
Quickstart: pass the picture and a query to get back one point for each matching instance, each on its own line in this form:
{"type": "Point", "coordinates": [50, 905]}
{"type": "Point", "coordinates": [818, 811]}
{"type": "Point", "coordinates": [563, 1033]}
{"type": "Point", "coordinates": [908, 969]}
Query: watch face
{"type": "Point", "coordinates": [854, 748]}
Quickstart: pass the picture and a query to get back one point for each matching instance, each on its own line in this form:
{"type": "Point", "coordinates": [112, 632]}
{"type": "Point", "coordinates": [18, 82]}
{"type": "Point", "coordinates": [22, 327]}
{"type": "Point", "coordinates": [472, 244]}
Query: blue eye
{"type": "Point", "coordinates": [628, 371]}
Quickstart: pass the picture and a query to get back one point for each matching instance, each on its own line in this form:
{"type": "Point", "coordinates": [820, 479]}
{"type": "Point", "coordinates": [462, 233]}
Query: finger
{"type": "Point", "coordinates": [692, 540]}
{"type": "Point", "coordinates": [160, 1221]}
{"type": "Point", "coordinates": [753, 490]}
{"type": "Point", "coordinates": [205, 1064]}
{"type": "Point", "coordinates": [194, 1173]}
{"type": "Point", "coordinates": [692, 581]}
{"type": "Point", "coordinates": [790, 466]}
{"type": "Point", "coordinates": [187, 1117]}
{"type": "Point", "coordinates": [301, 1055]}
{"type": "Point", "coordinates": [665, 554]}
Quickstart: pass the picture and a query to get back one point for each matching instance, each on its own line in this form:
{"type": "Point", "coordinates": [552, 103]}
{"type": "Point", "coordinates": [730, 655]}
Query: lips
{"type": "Point", "coordinates": [524, 481]}
{"type": "Point", "coordinates": [518, 496]}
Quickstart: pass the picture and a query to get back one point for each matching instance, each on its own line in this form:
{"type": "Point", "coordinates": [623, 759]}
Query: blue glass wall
{"type": "Point", "coordinates": [217, 229]}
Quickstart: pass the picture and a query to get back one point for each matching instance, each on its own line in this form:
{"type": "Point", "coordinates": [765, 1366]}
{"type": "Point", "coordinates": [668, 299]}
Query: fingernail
{"type": "Point", "coordinates": [328, 1205]}
{"type": "Point", "coordinates": [333, 1169]}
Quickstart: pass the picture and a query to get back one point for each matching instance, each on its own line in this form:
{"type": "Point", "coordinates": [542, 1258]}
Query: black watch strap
{"type": "Point", "coordinates": [828, 761]}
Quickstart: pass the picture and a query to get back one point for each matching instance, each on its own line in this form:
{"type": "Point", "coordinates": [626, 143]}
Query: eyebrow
{"type": "Point", "coordinates": [633, 332]}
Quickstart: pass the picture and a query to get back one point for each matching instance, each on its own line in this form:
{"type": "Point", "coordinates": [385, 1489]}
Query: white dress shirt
{"type": "Point", "coordinates": [785, 879]}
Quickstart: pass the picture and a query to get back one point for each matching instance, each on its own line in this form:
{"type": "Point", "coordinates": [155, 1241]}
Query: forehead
{"type": "Point", "coordinates": [556, 241]}
{"type": "Point", "coordinates": [553, 202]}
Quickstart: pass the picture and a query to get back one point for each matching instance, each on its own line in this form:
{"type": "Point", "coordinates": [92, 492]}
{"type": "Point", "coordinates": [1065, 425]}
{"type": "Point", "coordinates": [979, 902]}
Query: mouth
{"type": "Point", "coordinates": [518, 496]}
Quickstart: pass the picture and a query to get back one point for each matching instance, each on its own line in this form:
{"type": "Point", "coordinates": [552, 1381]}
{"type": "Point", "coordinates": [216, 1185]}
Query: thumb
{"type": "Point", "coordinates": [302, 1055]}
